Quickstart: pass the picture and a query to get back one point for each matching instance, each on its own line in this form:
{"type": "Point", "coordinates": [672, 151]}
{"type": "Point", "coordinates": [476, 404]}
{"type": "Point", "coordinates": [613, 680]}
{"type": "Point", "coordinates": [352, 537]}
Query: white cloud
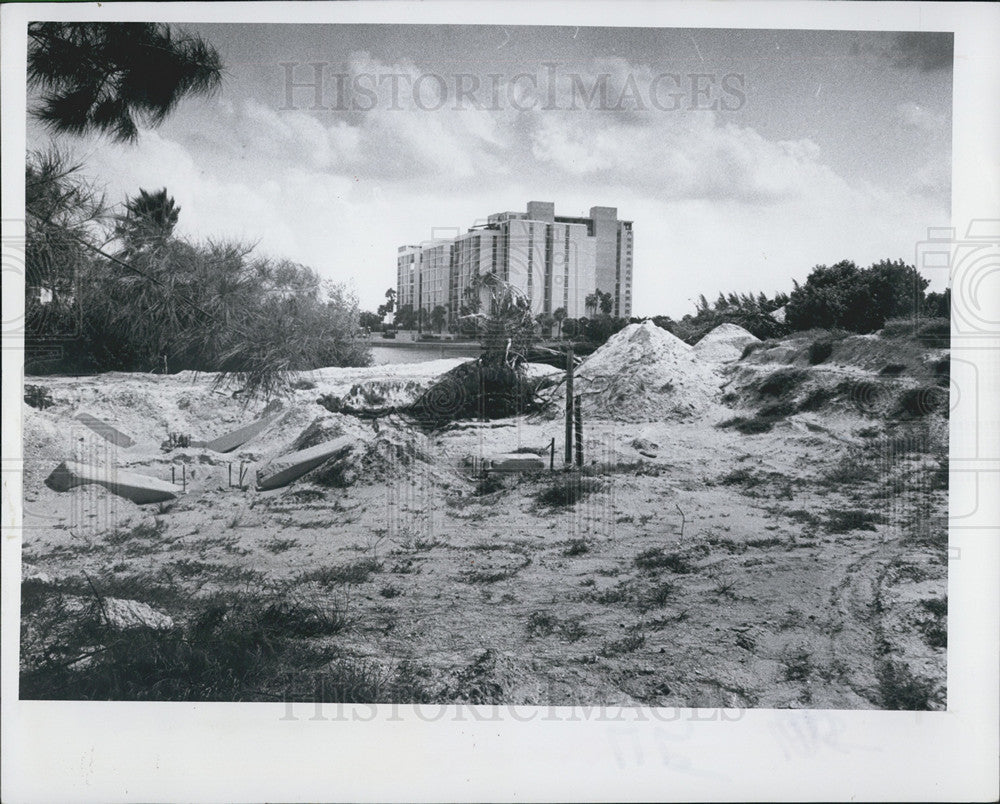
{"type": "Point", "coordinates": [915, 116]}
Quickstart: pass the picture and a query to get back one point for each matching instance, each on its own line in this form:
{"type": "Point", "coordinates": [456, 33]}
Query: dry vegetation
{"type": "Point", "coordinates": [802, 567]}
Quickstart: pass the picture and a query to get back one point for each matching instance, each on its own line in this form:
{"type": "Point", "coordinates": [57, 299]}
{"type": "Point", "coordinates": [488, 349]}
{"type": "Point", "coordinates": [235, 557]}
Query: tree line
{"type": "Point", "coordinates": [115, 287]}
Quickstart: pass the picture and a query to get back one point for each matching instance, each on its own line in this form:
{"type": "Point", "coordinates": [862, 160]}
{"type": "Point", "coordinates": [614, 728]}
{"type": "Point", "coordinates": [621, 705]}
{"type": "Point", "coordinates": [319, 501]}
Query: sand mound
{"type": "Point", "coordinates": [724, 343]}
{"type": "Point", "coordinates": [644, 373]}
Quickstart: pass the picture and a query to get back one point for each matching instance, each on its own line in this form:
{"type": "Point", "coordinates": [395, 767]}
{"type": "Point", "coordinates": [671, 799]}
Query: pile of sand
{"type": "Point", "coordinates": [644, 373]}
{"type": "Point", "coordinates": [724, 343]}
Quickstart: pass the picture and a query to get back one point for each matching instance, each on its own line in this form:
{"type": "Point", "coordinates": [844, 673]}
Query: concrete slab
{"type": "Point", "coordinates": [105, 430]}
{"type": "Point", "coordinates": [283, 470]}
{"type": "Point", "coordinates": [140, 489]}
{"type": "Point", "coordinates": [238, 438]}
{"type": "Point", "coordinates": [518, 462]}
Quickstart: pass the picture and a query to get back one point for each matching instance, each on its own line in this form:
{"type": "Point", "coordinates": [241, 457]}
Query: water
{"type": "Point", "coordinates": [387, 352]}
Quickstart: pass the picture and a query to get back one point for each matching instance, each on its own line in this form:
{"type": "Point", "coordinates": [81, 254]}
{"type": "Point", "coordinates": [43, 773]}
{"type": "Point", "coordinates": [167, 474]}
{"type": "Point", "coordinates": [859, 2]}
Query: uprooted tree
{"type": "Point", "coordinates": [495, 384]}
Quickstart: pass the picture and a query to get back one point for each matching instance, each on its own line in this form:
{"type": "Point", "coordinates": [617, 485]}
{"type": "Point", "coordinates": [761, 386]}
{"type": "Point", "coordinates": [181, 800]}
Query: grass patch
{"type": "Point", "coordinates": [658, 596]}
{"type": "Point", "coordinates": [567, 491]}
{"type": "Point", "coordinates": [656, 559]}
{"type": "Point", "coordinates": [627, 644]}
{"type": "Point", "coordinates": [847, 520]}
{"type": "Point", "coordinates": [797, 664]}
{"type": "Point", "coordinates": [354, 572]}
{"type": "Point", "coordinates": [278, 545]}
{"type": "Point", "coordinates": [494, 574]}
{"type": "Point", "coordinates": [899, 689]}
{"type": "Point", "coordinates": [748, 426]}
{"type": "Point", "coordinates": [741, 477]}
{"type": "Point", "coordinates": [576, 547]}
{"type": "Point", "coordinates": [232, 647]}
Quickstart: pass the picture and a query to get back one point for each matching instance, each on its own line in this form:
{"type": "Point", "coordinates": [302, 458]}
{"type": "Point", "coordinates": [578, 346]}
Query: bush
{"type": "Point", "coordinates": [38, 396]}
{"type": "Point", "coordinates": [231, 648]}
{"type": "Point", "coordinates": [901, 690]}
{"type": "Point", "coordinates": [935, 332]}
{"type": "Point", "coordinates": [655, 558]}
{"type": "Point", "coordinates": [781, 382]}
{"type": "Point", "coordinates": [776, 410]}
{"type": "Point", "coordinates": [816, 399]}
{"type": "Point", "coordinates": [819, 351]}
{"type": "Point", "coordinates": [858, 300]}
{"type": "Point", "coordinates": [748, 426]}
{"type": "Point", "coordinates": [917, 402]}
{"type": "Point", "coordinates": [567, 491]}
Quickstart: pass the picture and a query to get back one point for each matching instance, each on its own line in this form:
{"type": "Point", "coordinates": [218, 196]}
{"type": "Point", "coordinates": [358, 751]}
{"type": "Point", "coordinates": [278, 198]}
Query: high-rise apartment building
{"type": "Point", "coordinates": [558, 262]}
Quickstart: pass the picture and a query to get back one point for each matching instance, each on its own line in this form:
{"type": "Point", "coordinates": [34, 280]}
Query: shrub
{"type": "Point", "coordinates": [776, 410]}
{"type": "Point", "coordinates": [655, 558]}
{"type": "Point", "coordinates": [235, 647]}
{"type": "Point", "coordinates": [935, 332]}
{"type": "Point", "coordinates": [750, 348]}
{"type": "Point", "coordinates": [901, 690]}
{"type": "Point", "coordinates": [354, 572]}
{"type": "Point", "coordinates": [781, 382]}
{"type": "Point", "coordinates": [38, 396]}
{"type": "Point", "coordinates": [755, 425]}
{"type": "Point", "coordinates": [917, 402]}
{"type": "Point", "coordinates": [567, 491]}
{"type": "Point", "coordinates": [844, 521]}
{"type": "Point", "coordinates": [819, 351]}
{"type": "Point", "coordinates": [816, 399]}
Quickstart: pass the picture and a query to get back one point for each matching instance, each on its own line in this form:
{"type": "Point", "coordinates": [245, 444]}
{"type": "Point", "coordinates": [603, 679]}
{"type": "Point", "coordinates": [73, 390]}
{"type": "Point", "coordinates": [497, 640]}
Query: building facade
{"type": "Point", "coordinates": [557, 262]}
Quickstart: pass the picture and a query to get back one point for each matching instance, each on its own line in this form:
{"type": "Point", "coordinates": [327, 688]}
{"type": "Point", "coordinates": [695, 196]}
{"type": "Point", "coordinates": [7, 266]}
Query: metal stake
{"type": "Point", "coordinates": [578, 416]}
{"type": "Point", "coordinates": [569, 404]}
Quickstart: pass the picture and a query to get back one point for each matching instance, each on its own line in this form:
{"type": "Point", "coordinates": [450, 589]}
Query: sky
{"type": "Point", "coordinates": [744, 158]}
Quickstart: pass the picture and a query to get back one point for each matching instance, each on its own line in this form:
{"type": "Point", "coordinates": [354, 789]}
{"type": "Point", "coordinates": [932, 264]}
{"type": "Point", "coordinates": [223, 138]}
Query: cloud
{"type": "Point", "coordinates": [915, 116]}
{"type": "Point", "coordinates": [683, 156]}
{"type": "Point", "coordinates": [924, 51]}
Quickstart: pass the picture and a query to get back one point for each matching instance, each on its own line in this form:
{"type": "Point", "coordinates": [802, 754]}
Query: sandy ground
{"type": "Point", "coordinates": [702, 567]}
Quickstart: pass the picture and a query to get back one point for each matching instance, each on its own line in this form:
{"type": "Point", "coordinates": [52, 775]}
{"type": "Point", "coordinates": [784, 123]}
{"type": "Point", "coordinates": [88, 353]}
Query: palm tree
{"type": "Point", "coordinates": [149, 219]}
{"type": "Point", "coordinates": [438, 316]}
{"type": "Point", "coordinates": [559, 315]}
{"type": "Point", "coordinates": [110, 76]}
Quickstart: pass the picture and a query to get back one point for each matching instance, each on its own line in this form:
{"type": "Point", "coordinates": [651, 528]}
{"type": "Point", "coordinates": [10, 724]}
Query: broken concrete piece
{"type": "Point", "coordinates": [105, 430]}
{"type": "Point", "coordinates": [123, 614]}
{"type": "Point", "coordinates": [518, 462]}
{"type": "Point", "coordinates": [238, 438]}
{"type": "Point", "coordinates": [118, 613]}
{"type": "Point", "coordinates": [283, 470]}
{"type": "Point", "coordinates": [140, 489]}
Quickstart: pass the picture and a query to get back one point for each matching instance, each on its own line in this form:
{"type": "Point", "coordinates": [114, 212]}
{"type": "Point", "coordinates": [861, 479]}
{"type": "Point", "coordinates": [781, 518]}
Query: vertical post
{"type": "Point", "coordinates": [578, 417]}
{"type": "Point", "coordinates": [570, 368]}
{"type": "Point", "coordinates": [552, 454]}
{"type": "Point", "coordinates": [184, 477]}
{"type": "Point", "coordinates": [173, 478]}
{"type": "Point", "coordinates": [230, 474]}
